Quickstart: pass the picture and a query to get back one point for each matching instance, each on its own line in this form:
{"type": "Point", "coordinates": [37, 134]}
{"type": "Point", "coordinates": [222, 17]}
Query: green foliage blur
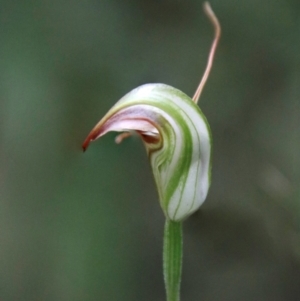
{"type": "Point", "coordinates": [77, 226]}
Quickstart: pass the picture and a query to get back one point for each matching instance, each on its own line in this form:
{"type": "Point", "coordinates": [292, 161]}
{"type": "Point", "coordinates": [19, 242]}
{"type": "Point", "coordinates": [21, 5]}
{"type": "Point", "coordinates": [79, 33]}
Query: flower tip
{"type": "Point", "coordinates": [89, 138]}
{"type": "Point", "coordinates": [95, 133]}
{"type": "Point", "coordinates": [85, 144]}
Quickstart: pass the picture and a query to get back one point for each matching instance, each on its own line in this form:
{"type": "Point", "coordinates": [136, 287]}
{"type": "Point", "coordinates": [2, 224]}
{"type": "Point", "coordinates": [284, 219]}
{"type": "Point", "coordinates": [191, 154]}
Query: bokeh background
{"type": "Point", "coordinates": [77, 226]}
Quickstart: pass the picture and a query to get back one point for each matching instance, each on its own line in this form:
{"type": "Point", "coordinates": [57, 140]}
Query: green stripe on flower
{"type": "Point", "coordinates": [177, 138]}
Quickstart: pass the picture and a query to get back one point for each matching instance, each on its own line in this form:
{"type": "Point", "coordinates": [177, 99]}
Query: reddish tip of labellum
{"type": "Point", "coordinates": [86, 144]}
{"type": "Point", "coordinates": [91, 137]}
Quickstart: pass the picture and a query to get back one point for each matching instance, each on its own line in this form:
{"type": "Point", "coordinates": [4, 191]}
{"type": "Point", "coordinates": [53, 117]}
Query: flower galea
{"type": "Point", "coordinates": [177, 139]}
{"type": "Point", "coordinates": [176, 135]}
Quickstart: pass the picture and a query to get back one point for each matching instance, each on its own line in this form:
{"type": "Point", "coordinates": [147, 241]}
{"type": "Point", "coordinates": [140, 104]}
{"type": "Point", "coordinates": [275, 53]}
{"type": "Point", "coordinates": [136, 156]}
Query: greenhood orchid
{"type": "Point", "coordinates": [176, 135]}
{"type": "Point", "coordinates": [178, 141]}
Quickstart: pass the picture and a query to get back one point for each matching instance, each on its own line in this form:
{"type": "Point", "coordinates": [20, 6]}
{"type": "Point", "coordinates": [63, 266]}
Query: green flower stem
{"type": "Point", "coordinates": [172, 257]}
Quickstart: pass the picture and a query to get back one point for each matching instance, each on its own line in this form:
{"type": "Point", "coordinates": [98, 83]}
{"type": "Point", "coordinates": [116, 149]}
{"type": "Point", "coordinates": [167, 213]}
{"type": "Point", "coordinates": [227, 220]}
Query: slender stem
{"type": "Point", "coordinates": [172, 257]}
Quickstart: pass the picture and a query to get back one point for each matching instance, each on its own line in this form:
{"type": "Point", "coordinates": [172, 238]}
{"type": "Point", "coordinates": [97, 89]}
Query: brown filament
{"type": "Point", "coordinates": [214, 20]}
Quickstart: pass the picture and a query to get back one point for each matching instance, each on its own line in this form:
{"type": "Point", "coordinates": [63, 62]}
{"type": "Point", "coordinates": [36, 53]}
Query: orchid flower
{"type": "Point", "coordinates": [178, 141]}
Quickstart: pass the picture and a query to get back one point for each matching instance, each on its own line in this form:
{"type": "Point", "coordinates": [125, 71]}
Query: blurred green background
{"type": "Point", "coordinates": [77, 226]}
